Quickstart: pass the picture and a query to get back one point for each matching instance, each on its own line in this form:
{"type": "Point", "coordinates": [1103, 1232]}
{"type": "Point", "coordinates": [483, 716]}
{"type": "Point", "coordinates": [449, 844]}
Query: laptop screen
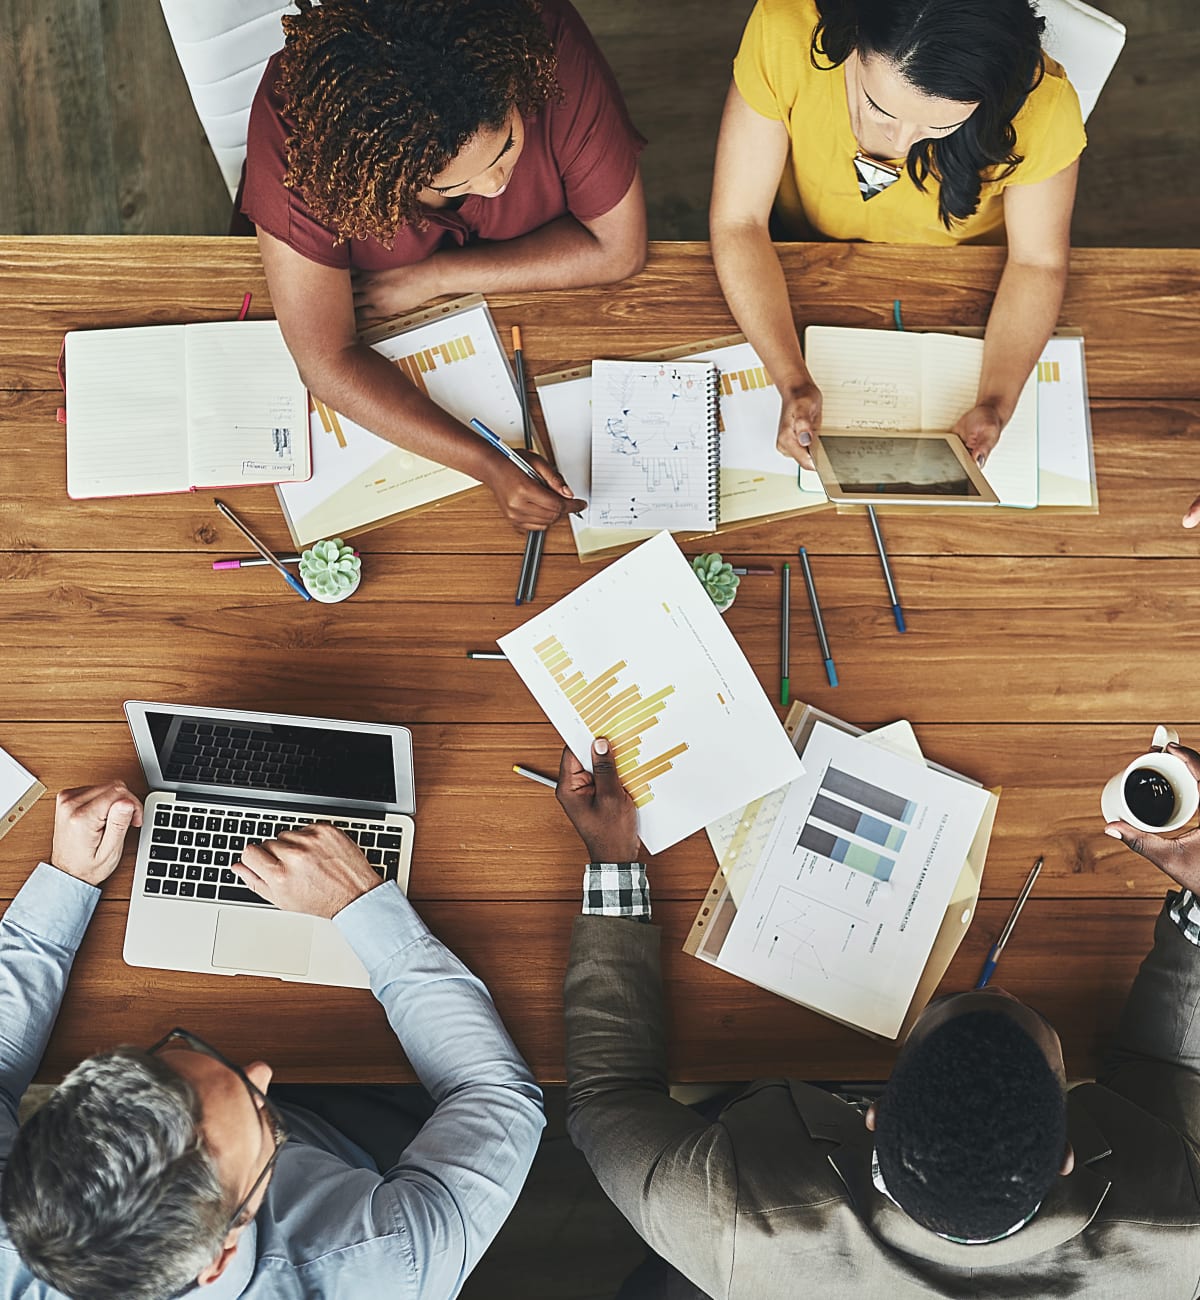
{"type": "Point", "coordinates": [289, 757]}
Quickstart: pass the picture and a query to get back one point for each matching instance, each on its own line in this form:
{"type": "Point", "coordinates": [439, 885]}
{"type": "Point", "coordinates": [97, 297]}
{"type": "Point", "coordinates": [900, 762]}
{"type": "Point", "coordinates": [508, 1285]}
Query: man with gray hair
{"type": "Point", "coordinates": [151, 1173]}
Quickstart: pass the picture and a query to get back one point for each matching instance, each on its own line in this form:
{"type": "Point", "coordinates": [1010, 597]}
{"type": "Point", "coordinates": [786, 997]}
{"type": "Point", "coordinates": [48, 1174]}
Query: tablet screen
{"type": "Point", "coordinates": [893, 464]}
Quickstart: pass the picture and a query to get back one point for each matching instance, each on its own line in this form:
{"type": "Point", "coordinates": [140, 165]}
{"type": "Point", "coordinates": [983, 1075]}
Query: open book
{"type": "Point", "coordinates": [898, 380]}
{"type": "Point", "coordinates": [172, 408]}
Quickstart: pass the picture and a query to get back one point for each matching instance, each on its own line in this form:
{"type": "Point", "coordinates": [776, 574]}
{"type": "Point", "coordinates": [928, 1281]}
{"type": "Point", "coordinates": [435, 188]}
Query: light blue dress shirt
{"type": "Point", "coordinates": [332, 1226]}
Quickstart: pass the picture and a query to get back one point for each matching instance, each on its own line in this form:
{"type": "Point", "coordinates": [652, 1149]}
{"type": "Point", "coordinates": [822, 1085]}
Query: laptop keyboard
{"type": "Point", "coordinates": [193, 846]}
{"type": "Point", "coordinates": [206, 752]}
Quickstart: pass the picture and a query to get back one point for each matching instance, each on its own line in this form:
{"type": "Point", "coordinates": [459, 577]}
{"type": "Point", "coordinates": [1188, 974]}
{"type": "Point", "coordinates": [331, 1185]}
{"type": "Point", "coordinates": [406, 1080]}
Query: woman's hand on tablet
{"type": "Point", "coordinates": [799, 421]}
{"type": "Point", "coordinates": [980, 431]}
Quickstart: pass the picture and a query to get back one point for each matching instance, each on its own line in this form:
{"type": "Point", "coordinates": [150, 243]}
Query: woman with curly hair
{"type": "Point", "coordinates": [403, 149]}
{"type": "Point", "coordinates": [897, 121]}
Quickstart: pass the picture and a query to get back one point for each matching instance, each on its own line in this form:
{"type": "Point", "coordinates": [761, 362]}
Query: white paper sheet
{"type": "Point", "coordinates": [247, 406]}
{"type": "Point", "coordinates": [1064, 426]}
{"type": "Point", "coordinates": [126, 412]}
{"type": "Point", "coordinates": [638, 653]}
{"type": "Point", "coordinates": [853, 881]}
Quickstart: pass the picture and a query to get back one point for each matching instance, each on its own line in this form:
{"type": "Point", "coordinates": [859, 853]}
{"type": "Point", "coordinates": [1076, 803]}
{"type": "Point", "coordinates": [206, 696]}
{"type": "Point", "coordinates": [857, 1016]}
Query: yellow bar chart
{"type": "Point", "coordinates": [620, 713]}
{"type": "Point", "coordinates": [416, 365]}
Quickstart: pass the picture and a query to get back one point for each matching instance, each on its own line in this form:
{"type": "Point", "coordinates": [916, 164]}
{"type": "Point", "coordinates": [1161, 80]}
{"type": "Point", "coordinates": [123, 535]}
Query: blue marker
{"type": "Point", "coordinates": [897, 612]}
{"type": "Point", "coordinates": [998, 947]}
{"type": "Point", "coordinates": [818, 621]}
{"type": "Point", "coordinates": [505, 450]}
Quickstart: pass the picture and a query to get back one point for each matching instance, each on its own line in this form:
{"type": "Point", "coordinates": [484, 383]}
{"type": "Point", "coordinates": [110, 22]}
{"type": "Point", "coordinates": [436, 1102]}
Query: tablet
{"type": "Point", "coordinates": [878, 467]}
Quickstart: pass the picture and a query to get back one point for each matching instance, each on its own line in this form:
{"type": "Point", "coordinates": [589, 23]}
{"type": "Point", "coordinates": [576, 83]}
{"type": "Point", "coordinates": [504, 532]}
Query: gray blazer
{"type": "Point", "coordinates": [775, 1199]}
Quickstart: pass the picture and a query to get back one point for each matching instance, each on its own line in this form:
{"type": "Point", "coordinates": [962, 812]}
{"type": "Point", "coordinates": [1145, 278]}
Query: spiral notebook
{"type": "Point", "coordinates": [656, 445]}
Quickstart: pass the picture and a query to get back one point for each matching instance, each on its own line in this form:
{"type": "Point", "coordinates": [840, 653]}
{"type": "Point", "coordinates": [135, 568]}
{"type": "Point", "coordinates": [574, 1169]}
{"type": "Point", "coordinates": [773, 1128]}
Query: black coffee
{"type": "Point", "coordinates": [1149, 796]}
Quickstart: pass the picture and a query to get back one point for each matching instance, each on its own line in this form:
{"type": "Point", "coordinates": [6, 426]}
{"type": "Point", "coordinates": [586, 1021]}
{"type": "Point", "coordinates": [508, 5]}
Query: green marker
{"type": "Point", "coordinates": [785, 612]}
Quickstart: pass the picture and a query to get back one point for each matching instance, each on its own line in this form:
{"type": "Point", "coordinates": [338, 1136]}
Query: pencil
{"type": "Point", "coordinates": [519, 358]}
{"type": "Point", "coordinates": [897, 612]}
{"type": "Point", "coordinates": [267, 555]}
{"type": "Point", "coordinates": [818, 621]}
{"type": "Point", "coordinates": [531, 775]}
{"type": "Point", "coordinates": [486, 654]}
{"type": "Point", "coordinates": [534, 541]}
{"type": "Point", "coordinates": [785, 616]}
{"type": "Point", "coordinates": [998, 947]}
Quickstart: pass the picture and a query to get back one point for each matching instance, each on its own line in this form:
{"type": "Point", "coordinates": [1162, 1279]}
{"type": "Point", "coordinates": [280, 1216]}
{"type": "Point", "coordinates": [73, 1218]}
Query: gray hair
{"type": "Point", "coordinates": [109, 1193]}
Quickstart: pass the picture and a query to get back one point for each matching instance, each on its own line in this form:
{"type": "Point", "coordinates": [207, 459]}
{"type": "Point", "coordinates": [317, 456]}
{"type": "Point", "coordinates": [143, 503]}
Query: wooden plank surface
{"type": "Point", "coordinates": [1137, 307]}
{"type": "Point", "coordinates": [1043, 649]}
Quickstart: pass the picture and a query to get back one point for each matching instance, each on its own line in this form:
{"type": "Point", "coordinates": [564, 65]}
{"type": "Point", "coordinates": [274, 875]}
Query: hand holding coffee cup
{"type": "Point", "coordinates": [1158, 792]}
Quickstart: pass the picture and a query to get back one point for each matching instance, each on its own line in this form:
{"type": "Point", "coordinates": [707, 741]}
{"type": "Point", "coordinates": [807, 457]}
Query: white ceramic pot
{"type": "Point", "coordinates": [340, 596]}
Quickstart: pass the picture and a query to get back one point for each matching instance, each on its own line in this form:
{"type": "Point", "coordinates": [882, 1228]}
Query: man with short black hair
{"type": "Point", "coordinates": [150, 1172]}
{"type": "Point", "coordinates": [976, 1174]}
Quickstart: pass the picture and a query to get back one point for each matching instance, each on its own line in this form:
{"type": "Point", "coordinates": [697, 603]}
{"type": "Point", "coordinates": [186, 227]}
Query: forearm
{"type": "Point", "coordinates": [359, 383]}
{"type": "Point", "coordinates": [752, 280]}
{"type": "Point", "coordinates": [1023, 317]}
{"type": "Point", "coordinates": [562, 254]}
{"type": "Point", "coordinates": [39, 935]}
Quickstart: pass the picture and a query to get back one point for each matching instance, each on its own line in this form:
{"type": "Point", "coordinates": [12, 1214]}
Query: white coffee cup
{"type": "Point", "coordinates": [1174, 770]}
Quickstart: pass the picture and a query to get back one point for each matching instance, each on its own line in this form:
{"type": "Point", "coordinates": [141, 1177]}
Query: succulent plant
{"type": "Point", "coordinates": [330, 567]}
{"type": "Point", "coordinates": [718, 578]}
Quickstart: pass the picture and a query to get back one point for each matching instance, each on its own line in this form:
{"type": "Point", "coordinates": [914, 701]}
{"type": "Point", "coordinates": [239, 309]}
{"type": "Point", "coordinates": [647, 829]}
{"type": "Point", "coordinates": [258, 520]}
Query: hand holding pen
{"type": "Point", "coordinates": [529, 491]}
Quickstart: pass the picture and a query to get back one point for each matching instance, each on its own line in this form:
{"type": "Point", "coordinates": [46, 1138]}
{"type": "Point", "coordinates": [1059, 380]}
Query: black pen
{"type": "Point", "coordinates": [818, 621]}
{"type": "Point", "coordinates": [897, 612]}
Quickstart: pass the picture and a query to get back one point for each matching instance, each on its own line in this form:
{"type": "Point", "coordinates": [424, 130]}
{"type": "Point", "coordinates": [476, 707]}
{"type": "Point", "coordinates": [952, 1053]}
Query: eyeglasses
{"type": "Point", "coordinates": [182, 1038]}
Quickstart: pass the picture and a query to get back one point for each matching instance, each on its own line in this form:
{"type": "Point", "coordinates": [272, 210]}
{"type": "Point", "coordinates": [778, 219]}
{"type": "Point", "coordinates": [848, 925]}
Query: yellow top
{"type": "Point", "coordinates": [819, 194]}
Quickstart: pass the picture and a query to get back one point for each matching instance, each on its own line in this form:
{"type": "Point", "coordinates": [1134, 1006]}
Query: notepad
{"type": "Point", "coordinates": [172, 408]}
{"type": "Point", "coordinates": [757, 482]}
{"type": "Point", "coordinates": [892, 381]}
{"type": "Point", "coordinates": [656, 446]}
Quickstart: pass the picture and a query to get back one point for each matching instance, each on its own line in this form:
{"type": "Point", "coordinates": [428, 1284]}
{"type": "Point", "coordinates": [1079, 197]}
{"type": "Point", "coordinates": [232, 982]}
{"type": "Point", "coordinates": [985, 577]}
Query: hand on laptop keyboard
{"type": "Point", "coordinates": [313, 869]}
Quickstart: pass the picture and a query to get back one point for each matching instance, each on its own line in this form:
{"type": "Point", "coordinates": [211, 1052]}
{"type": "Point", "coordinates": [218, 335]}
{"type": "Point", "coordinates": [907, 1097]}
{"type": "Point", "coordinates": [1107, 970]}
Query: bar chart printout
{"type": "Point", "coordinates": [416, 365]}
{"type": "Point", "coordinates": [622, 715]}
{"type": "Point", "coordinates": [848, 811]}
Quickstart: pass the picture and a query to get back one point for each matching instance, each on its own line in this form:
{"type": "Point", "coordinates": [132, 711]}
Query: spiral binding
{"type": "Point", "coordinates": [714, 448]}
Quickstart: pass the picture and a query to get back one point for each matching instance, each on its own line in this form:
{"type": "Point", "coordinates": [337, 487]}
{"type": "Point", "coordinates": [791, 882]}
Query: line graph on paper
{"type": "Point", "coordinates": [801, 933]}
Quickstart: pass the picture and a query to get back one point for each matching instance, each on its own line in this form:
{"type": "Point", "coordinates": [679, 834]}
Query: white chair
{"type": "Point", "coordinates": [1085, 41]}
{"type": "Point", "coordinates": [222, 47]}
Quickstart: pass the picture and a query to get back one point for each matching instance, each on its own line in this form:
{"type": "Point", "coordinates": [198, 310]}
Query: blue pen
{"type": "Point", "coordinates": [897, 612]}
{"type": "Point", "coordinates": [998, 947]}
{"type": "Point", "coordinates": [502, 447]}
{"type": "Point", "coordinates": [818, 621]}
{"type": "Point", "coordinates": [267, 555]}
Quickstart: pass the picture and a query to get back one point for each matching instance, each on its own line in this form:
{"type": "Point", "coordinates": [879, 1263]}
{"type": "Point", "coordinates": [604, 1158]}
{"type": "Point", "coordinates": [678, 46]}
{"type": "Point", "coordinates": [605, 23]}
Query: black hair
{"type": "Point", "coordinates": [984, 51]}
{"type": "Point", "coordinates": [971, 1128]}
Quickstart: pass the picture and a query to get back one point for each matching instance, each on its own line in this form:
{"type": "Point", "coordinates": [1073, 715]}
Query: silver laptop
{"type": "Point", "coordinates": [221, 779]}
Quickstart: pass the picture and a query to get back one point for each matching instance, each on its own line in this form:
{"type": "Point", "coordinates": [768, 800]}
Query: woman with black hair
{"type": "Point", "coordinates": [897, 121]}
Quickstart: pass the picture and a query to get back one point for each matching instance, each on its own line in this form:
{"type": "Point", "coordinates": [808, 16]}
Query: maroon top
{"type": "Point", "coordinates": [580, 157]}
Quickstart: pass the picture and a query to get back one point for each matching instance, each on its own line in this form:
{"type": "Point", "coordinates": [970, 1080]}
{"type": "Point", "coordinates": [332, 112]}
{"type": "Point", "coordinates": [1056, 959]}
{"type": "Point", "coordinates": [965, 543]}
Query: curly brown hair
{"type": "Point", "coordinates": [383, 94]}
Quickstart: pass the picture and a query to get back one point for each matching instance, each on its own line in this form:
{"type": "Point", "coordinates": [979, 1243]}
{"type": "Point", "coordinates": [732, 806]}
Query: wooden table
{"type": "Point", "coordinates": [1041, 650]}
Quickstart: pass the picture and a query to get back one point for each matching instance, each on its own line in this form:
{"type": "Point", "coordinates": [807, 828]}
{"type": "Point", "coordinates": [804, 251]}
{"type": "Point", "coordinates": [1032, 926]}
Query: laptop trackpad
{"type": "Point", "coordinates": [277, 943]}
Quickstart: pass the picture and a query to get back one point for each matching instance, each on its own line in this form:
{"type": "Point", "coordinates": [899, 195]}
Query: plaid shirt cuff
{"type": "Point", "coordinates": [616, 889]}
{"type": "Point", "coordinates": [1185, 912]}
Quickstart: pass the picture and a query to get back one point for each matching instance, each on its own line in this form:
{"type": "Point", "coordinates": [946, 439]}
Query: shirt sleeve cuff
{"type": "Point", "coordinates": [1184, 909]}
{"type": "Point", "coordinates": [379, 924]}
{"type": "Point", "coordinates": [54, 906]}
{"type": "Point", "coordinates": [616, 889]}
